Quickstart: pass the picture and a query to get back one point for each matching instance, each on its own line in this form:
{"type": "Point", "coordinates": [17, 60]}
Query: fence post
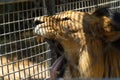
{"type": "Point", "coordinates": [49, 7]}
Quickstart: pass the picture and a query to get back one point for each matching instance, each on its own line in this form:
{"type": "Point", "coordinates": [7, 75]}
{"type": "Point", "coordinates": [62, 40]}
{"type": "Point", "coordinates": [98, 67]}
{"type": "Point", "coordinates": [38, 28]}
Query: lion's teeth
{"type": "Point", "coordinates": [41, 19]}
{"type": "Point", "coordinates": [36, 19]}
{"type": "Point", "coordinates": [39, 30]}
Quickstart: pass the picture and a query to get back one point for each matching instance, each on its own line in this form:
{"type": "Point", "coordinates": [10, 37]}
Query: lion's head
{"type": "Point", "coordinates": [70, 23]}
{"type": "Point", "coordinates": [80, 33]}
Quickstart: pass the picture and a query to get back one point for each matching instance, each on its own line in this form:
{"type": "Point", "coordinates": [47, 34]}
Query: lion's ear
{"type": "Point", "coordinates": [112, 36]}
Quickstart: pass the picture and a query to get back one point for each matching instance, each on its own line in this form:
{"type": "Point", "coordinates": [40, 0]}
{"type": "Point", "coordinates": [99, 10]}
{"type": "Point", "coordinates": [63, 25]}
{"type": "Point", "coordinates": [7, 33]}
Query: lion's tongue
{"type": "Point", "coordinates": [56, 67]}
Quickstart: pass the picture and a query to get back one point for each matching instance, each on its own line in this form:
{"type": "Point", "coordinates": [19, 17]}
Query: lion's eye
{"type": "Point", "coordinates": [66, 18]}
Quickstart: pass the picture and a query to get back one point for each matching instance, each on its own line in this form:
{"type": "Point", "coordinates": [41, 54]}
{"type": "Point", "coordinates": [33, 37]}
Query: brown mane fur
{"type": "Point", "coordinates": [86, 40]}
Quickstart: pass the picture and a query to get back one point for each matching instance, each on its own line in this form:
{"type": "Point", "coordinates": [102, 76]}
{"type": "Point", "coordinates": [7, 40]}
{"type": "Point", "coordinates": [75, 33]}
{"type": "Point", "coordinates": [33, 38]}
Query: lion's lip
{"type": "Point", "coordinates": [40, 30]}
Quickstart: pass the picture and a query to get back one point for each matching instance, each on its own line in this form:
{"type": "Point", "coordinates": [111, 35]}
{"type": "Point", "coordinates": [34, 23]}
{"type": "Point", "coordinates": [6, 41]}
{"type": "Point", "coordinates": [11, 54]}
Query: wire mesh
{"type": "Point", "coordinates": [85, 5]}
{"type": "Point", "coordinates": [21, 56]}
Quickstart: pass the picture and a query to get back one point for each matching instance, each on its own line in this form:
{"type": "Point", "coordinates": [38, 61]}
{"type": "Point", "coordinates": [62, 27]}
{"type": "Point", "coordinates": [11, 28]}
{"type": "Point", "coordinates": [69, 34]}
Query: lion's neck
{"type": "Point", "coordinates": [71, 49]}
{"type": "Point", "coordinates": [91, 60]}
{"type": "Point", "coordinates": [88, 59]}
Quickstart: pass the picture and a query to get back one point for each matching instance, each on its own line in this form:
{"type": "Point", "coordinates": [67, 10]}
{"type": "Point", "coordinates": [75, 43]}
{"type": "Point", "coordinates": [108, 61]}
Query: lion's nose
{"type": "Point", "coordinates": [37, 21]}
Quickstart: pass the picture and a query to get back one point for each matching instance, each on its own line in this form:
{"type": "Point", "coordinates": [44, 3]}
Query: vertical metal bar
{"type": "Point", "coordinates": [35, 52]}
{"type": "Point", "coordinates": [45, 8]}
{"type": "Point", "coordinates": [49, 7]}
{"type": "Point", "coordinates": [18, 15]}
{"type": "Point", "coordinates": [11, 36]}
{"type": "Point", "coordinates": [31, 50]}
{"type": "Point", "coordinates": [20, 33]}
{"type": "Point", "coordinates": [6, 42]}
{"type": "Point", "coordinates": [42, 64]}
{"type": "Point", "coordinates": [3, 41]}
{"type": "Point", "coordinates": [10, 40]}
{"type": "Point", "coordinates": [35, 43]}
{"type": "Point", "coordinates": [36, 14]}
{"type": "Point", "coordinates": [96, 3]}
{"type": "Point", "coordinates": [14, 27]}
{"type": "Point", "coordinates": [36, 68]}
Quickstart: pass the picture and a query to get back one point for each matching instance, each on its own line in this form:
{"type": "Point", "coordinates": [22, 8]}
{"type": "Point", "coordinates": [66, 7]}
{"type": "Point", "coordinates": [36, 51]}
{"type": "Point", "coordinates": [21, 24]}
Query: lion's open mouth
{"type": "Point", "coordinates": [58, 66]}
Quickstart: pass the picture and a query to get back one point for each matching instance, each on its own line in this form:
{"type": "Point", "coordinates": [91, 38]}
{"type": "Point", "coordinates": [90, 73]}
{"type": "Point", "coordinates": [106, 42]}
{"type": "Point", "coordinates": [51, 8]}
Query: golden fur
{"type": "Point", "coordinates": [23, 69]}
{"type": "Point", "coordinates": [86, 40]}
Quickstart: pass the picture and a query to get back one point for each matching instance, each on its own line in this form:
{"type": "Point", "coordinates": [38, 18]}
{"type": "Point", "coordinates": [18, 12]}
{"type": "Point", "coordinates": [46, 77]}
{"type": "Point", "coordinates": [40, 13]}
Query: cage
{"type": "Point", "coordinates": [21, 55]}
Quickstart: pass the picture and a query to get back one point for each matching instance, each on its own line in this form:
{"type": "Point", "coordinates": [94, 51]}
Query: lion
{"type": "Point", "coordinates": [87, 40]}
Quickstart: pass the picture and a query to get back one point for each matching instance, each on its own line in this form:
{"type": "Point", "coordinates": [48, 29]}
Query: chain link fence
{"type": "Point", "coordinates": [21, 56]}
